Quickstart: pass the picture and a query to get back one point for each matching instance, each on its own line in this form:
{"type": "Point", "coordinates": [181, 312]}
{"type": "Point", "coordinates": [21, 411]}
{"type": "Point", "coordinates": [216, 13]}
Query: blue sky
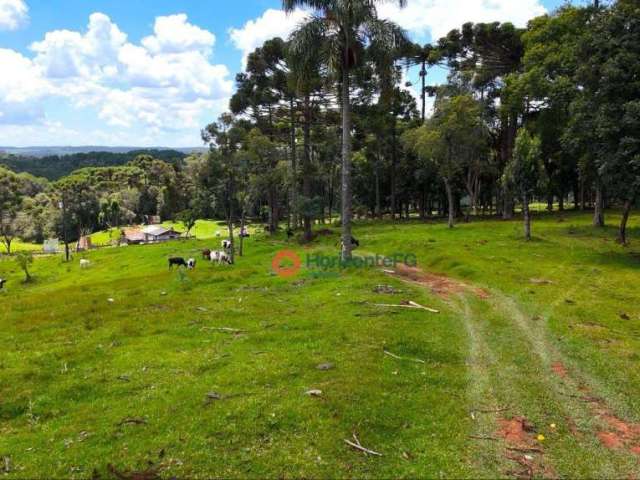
{"type": "Point", "coordinates": [143, 73]}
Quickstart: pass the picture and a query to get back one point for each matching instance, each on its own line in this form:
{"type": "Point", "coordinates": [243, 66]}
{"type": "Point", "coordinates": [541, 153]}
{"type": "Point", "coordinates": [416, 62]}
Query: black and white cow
{"type": "Point", "coordinates": [2, 282]}
{"type": "Point", "coordinates": [220, 257]}
{"type": "Point", "coordinates": [191, 263]}
{"type": "Point", "coordinates": [177, 261]}
{"type": "Point", "coordinates": [355, 243]}
{"type": "Point", "coordinates": [226, 244]}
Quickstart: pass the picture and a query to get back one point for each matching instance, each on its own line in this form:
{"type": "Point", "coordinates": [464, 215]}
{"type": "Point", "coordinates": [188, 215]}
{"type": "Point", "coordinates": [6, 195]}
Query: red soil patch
{"type": "Point", "coordinates": [560, 370]}
{"type": "Point", "coordinates": [622, 434]}
{"type": "Point", "coordinates": [610, 440]}
{"type": "Point", "coordinates": [523, 449]}
{"type": "Point", "coordinates": [515, 431]}
{"type": "Point", "coordinates": [439, 284]}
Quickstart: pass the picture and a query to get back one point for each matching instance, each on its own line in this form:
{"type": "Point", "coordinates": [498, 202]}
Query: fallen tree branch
{"type": "Point", "coordinates": [361, 448]}
{"type": "Point", "coordinates": [412, 305]}
{"type": "Point", "coordinates": [417, 305]}
{"type": "Point", "coordinates": [397, 357]}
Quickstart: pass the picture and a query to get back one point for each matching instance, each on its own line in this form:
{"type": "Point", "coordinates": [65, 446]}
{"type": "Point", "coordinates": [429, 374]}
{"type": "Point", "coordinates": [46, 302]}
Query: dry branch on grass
{"type": "Point", "coordinates": [358, 446]}
{"type": "Point", "coordinates": [397, 357]}
{"type": "Point", "coordinates": [410, 304]}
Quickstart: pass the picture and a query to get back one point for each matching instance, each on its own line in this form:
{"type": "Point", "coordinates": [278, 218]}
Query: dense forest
{"type": "Point", "coordinates": [323, 126]}
{"type": "Point", "coordinates": [53, 167]}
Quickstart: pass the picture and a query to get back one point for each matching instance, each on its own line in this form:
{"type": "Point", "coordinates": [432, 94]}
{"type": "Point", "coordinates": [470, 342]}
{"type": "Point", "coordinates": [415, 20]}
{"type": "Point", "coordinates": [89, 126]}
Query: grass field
{"type": "Point", "coordinates": [128, 367]}
{"type": "Point", "coordinates": [18, 246]}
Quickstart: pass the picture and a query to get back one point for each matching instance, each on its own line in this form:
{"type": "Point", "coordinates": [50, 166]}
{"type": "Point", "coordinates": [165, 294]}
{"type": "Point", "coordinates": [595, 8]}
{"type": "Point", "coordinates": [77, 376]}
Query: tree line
{"type": "Point", "coordinates": [54, 167]}
{"type": "Point", "coordinates": [323, 128]}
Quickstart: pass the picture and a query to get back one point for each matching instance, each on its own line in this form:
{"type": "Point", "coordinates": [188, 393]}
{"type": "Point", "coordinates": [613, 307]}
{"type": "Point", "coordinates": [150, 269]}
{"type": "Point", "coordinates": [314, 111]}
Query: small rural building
{"type": "Point", "coordinates": [132, 236]}
{"type": "Point", "coordinates": [50, 246]}
{"type": "Point", "coordinates": [158, 233]}
{"type": "Point", "coordinates": [84, 244]}
{"type": "Point", "coordinates": [149, 234]}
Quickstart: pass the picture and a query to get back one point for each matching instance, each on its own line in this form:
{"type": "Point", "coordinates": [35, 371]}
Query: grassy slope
{"type": "Point", "coordinates": [64, 347]}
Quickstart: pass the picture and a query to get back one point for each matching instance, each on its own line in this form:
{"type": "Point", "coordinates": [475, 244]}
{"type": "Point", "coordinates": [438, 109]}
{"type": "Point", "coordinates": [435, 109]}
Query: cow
{"type": "Point", "coordinates": [226, 244]}
{"type": "Point", "coordinates": [85, 263]}
{"type": "Point", "coordinates": [177, 261]}
{"type": "Point", "coordinates": [244, 233]}
{"type": "Point", "coordinates": [218, 234]}
{"type": "Point", "coordinates": [220, 257]}
{"type": "Point", "coordinates": [191, 263]}
{"type": "Point", "coordinates": [206, 254]}
{"type": "Point", "coordinates": [2, 282]}
{"type": "Point", "coordinates": [355, 243]}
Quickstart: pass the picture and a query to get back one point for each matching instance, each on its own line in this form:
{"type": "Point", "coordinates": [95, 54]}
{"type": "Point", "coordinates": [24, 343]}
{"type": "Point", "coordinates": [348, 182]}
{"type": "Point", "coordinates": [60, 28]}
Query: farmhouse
{"type": "Point", "coordinates": [132, 236]}
{"type": "Point", "coordinates": [149, 234]}
{"type": "Point", "coordinates": [158, 233]}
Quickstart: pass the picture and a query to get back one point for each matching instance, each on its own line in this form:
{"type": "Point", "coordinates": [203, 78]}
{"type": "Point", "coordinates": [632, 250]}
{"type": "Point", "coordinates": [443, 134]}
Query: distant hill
{"type": "Point", "coordinates": [58, 165]}
{"type": "Point", "coordinates": [59, 151]}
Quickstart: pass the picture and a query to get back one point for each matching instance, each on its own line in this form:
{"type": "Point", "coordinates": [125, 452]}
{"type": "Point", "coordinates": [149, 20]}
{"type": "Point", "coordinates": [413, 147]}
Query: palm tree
{"type": "Point", "coordinates": [337, 33]}
{"type": "Point", "coordinates": [421, 56]}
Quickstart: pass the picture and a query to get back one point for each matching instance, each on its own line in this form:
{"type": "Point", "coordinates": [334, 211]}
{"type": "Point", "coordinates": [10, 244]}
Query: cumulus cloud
{"type": "Point", "coordinates": [173, 34]}
{"type": "Point", "coordinates": [273, 23]}
{"type": "Point", "coordinates": [166, 83]}
{"type": "Point", "coordinates": [65, 53]}
{"type": "Point", "coordinates": [13, 14]}
{"type": "Point", "coordinates": [435, 18]}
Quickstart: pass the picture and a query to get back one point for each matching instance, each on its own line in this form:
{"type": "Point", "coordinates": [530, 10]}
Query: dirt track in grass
{"type": "Point", "coordinates": [514, 437]}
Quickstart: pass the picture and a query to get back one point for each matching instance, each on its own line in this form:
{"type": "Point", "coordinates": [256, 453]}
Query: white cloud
{"type": "Point", "coordinates": [435, 18]}
{"type": "Point", "coordinates": [13, 14]}
{"type": "Point", "coordinates": [167, 83]}
{"type": "Point", "coordinates": [65, 53]}
{"type": "Point", "coordinates": [273, 23]}
{"type": "Point", "coordinates": [173, 34]}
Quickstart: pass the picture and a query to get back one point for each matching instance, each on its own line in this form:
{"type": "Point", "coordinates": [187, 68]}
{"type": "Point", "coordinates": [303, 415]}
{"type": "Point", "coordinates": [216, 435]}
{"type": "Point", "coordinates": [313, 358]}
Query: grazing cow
{"type": "Point", "coordinates": [220, 257]}
{"type": "Point", "coordinates": [85, 263]}
{"type": "Point", "coordinates": [244, 233]}
{"type": "Point", "coordinates": [226, 244]}
{"type": "Point", "coordinates": [177, 261]}
{"type": "Point", "coordinates": [355, 243]}
{"type": "Point", "coordinates": [206, 254]}
{"type": "Point", "coordinates": [225, 258]}
{"type": "Point", "coordinates": [191, 263]}
{"type": "Point", "coordinates": [2, 282]}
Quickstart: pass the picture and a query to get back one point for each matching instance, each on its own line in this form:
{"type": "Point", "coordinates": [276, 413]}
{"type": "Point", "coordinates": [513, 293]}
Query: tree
{"type": "Point", "coordinates": [523, 172]}
{"type": "Point", "coordinates": [423, 56]}
{"type": "Point", "coordinates": [24, 259]}
{"type": "Point", "coordinates": [225, 164]}
{"type": "Point", "coordinates": [10, 204]}
{"type": "Point", "coordinates": [545, 89]}
{"type": "Point", "coordinates": [609, 82]}
{"type": "Point", "coordinates": [339, 31]}
{"type": "Point", "coordinates": [188, 217]}
{"type": "Point", "coordinates": [486, 54]}
{"type": "Point", "coordinates": [453, 137]}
